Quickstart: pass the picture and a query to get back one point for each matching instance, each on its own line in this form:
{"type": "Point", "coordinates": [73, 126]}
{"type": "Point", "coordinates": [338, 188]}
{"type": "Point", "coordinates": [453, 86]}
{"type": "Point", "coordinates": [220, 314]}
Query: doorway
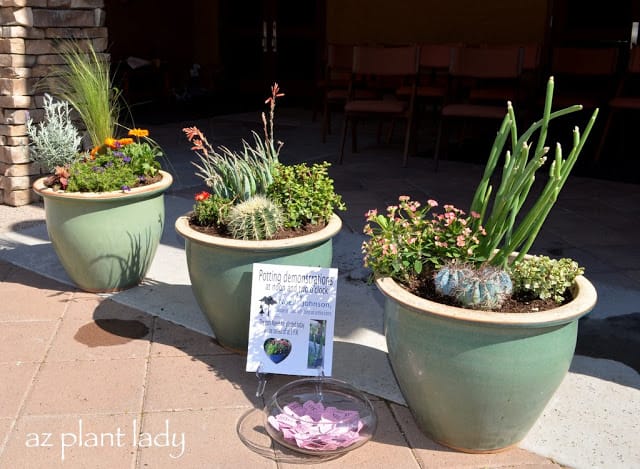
{"type": "Point", "coordinates": [267, 41]}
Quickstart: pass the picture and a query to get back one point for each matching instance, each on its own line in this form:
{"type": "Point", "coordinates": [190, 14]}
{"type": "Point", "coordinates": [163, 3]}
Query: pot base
{"type": "Point", "coordinates": [475, 451]}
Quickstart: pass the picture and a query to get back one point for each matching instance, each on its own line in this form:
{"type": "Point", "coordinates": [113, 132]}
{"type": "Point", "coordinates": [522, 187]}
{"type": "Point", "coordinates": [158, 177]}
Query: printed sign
{"type": "Point", "coordinates": [292, 319]}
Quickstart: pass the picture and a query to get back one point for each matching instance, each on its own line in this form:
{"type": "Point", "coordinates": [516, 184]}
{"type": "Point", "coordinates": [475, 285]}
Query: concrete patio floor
{"type": "Point", "coordinates": [143, 362]}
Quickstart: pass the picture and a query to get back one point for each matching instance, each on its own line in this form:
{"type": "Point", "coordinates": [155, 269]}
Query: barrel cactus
{"type": "Point", "coordinates": [256, 218]}
{"type": "Point", "coordinates": [484, 287]}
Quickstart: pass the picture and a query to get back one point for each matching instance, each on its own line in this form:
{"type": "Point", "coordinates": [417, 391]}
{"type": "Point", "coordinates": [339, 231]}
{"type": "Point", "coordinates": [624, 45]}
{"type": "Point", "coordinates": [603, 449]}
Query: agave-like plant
{"type": "Point", "coordinates": [238, 176]}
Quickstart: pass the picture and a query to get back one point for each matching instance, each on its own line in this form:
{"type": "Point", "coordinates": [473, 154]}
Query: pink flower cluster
{"type": "Point", "coordinates": [411, 237]}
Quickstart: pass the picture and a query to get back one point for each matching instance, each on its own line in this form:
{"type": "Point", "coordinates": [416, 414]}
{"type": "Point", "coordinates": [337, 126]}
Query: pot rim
{"type": "Point", "coordinates": [584, 300]}
{"type": "Point", "coordinates": [44, 191]}
{"type": "Point", "coordinates": [329, 231]}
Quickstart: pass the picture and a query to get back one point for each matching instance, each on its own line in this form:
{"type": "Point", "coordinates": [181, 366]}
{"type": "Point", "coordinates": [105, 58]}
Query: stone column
{"type": "Point", "coordinates": [29, 33]}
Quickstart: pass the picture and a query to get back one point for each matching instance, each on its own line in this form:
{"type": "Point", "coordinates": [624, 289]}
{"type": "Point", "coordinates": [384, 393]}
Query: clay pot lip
{"type": "Point", "coordinates": [48, 192]}
{"type": "Point", "coordinates": [584, 300]}
{"type": "Point", "coordinates": [329, 231]}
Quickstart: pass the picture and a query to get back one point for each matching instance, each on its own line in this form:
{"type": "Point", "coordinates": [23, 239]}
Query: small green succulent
{"type": "Point", "coordinates": [544, 277]}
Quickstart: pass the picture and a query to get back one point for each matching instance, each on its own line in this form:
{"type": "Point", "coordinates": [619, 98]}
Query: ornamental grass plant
{"type": "Point", "coordinates": [252, 195]}
{"type": "Point", "coordinates": [453, 256]}
{"type": "Point", "coordinates": [109, 162]}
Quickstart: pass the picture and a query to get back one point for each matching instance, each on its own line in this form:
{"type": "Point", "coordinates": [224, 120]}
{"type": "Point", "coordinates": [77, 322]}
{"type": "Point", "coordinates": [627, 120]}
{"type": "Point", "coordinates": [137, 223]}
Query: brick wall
{"type": "Point", "coordinates": [29, 32]}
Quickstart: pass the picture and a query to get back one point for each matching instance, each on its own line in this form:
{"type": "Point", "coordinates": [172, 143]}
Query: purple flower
{"type": "Point", "coordinates": [119, 154]}
{"type": "Point", "coordinates": [126, 159]}
{"type": "Point", "coordinates": [142, 178]}
{"type": "Point", "coordinates": [108, 164]}
{"type": "Point", "coordinates": [98, 169]}
{"type": "Point", "coordinates": [126, 188]}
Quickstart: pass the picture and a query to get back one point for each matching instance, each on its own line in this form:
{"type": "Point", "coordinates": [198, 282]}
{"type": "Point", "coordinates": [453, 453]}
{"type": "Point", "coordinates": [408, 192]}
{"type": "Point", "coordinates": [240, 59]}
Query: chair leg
{"type": "Point", "coordinates": [344, 137]}
{"type": "Point", "coordinates": [436, 153]}
{"type": "Point", "coordinates": [407, 141]}
{"type": "Point", "coordinates": [354, 136]}
{"type": "Point", "coordinates": [325, 121]}
{"type": "Point", "coordinates": [314, 105]}
{"type": "Point", "coordinates": [392, 127]}
{"type": "Point", "coordinates": [603, 137]}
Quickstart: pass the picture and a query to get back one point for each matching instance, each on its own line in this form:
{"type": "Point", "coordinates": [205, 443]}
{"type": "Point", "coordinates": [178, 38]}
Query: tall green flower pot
{"type": "Point", "coordinates": [477, 381]}
{"type": "Point", "coordinates": [220, 270]}
{"type": "Point", "coordinates": [105, 240]}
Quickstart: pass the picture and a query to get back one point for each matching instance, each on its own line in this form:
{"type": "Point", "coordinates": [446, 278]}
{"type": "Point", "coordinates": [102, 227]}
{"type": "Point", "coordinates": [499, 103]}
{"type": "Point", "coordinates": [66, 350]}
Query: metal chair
{"type": "Point", "coordinates": [480, 78]}
{"type": "Point", "coordinates": [583, 75]}
{"type": "Point", "coordinates": [383, 69]}
{"type": "Point", "coordinates": [627, 96]}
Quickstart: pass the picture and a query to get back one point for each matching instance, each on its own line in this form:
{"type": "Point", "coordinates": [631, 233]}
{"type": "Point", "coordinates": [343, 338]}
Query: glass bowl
{"type": "Point", "coordinates": [320, 416]}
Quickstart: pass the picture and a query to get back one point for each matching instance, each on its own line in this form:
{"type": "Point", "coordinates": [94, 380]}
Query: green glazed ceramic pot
{"type": "Point", "coordinates": [105, 240]}
{"type": "Point", "coordinates": [476, 381]}
{"type": "Point", "coordinates": [220, 270]}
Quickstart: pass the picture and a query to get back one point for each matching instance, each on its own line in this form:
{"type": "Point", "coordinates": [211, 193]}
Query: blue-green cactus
{"type": "Point", "coordinates": [484, 287]}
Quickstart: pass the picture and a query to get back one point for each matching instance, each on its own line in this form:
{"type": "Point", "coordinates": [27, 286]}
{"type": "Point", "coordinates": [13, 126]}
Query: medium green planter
{"type": "Point", "coordinates": [477, 381]}
{"type": "Point", "coordinates": [220, 270]}
{"type": "Point", "coordinates": [105, 240]}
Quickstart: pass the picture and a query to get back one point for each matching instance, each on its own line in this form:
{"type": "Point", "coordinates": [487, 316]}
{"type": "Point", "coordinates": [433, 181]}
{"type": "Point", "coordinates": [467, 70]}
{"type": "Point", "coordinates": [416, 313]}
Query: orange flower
{"type": "Point", "coordinates": [111, 143]}
{"type": "Point", "coordinates": [94, 152]}
{"type": "Point", "coordinates": [201, 196]}
{"type": "Point", "coordinates": [138, 133]}
{"type": "Point", "coordinates": [125, 141]}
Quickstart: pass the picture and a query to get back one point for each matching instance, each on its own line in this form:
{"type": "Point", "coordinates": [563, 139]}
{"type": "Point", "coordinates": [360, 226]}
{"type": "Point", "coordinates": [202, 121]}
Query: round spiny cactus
{"type": "Point", "coordinates": [256, 218]}
{"type": "Point", "coordinates": [484, 287]}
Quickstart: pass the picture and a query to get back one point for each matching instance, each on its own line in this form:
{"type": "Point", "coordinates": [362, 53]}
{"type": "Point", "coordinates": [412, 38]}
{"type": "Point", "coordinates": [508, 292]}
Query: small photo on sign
{"type": "Point", "coordinates": [317, 328]}
{"type": "Point", "coordinates": [292, 319]}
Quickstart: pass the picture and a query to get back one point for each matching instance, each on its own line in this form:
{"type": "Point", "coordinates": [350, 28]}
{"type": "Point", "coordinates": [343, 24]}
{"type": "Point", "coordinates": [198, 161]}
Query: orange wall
{"type": "Point", "coordinates": [472, 21]}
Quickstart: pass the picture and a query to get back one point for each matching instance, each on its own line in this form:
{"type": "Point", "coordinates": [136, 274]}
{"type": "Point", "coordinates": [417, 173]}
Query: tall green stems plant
{"type": "Point", "coordinates": [504, 233]}
{"type": "Point", "coordinates": [86, 84]}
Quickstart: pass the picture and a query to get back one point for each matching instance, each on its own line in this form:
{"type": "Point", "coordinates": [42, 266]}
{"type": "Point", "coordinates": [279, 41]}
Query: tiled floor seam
{"type": "Point", "coordinates": [404, 437]}
{"type": "Point", "coordinates": [145, 384]}
{"type": "Point", "coordinates": [27, 392]}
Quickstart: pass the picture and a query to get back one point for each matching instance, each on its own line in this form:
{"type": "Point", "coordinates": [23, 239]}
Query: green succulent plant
{"type": "Point", "coordinates": [507, 230]}
{"type": "Point", "coordinates": [543, 277]}
{"type": "Point", "coordinates": [251, 184]}
{"type": "Point", "coordinates": [306, 193]}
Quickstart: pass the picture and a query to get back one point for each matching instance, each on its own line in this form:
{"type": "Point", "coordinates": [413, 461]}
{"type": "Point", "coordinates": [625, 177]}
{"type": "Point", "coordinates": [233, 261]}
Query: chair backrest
{"type": "Point", "coordinates": [339, 56]}
{"type": "Point", "coordinates": [435, 56]}
{"type": "Point", "coordinates": [531, 56]}
{"type": "Point", "coordinates": [339, 62]}
{"type": "Point", "coordinates": [499, 62]}
{"type": "Point", "coordinates": [385, 60]}
{"type": "Point", "coordinates": [584, 61]}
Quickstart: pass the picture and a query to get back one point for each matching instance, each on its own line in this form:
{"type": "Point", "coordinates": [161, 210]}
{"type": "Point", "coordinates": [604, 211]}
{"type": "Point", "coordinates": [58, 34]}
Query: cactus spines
{"type": "Point", "coordinates": [256, 218]}
{"type": "Point", "coordinates": [484, 287]}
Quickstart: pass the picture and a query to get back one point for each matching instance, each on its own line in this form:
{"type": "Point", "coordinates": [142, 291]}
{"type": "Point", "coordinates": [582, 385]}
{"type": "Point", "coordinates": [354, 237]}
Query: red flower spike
{"type": "Point", "coordinates": [192, 132]}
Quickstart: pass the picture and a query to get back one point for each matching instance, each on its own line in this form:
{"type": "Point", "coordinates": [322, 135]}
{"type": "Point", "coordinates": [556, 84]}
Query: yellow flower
{"type": "Point", "coordinates": [111, 143]}
{"type": "Point", "coordinates": [138, 133]}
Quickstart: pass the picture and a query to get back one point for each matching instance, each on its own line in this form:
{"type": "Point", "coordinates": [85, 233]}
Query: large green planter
{"type": "Point", "coordinates": [477, 381]}
{"type": "Point", "coordinates": [220, 270]}
{"type": "Point", "coordinates": [105, 240]}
